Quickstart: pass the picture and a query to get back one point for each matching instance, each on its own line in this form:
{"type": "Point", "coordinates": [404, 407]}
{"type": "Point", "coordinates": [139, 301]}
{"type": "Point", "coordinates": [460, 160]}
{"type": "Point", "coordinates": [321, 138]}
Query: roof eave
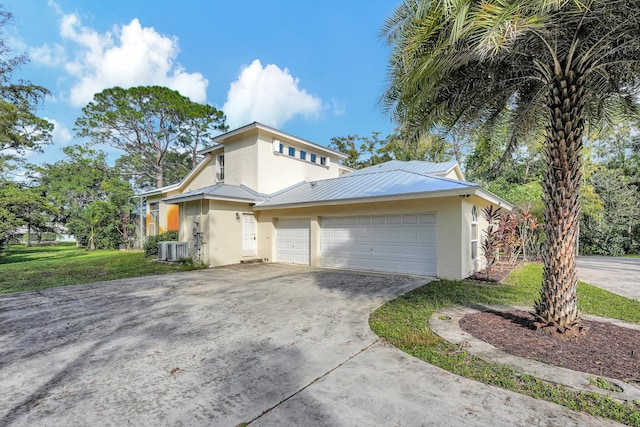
{"type": "Point", "coordinates": [256, 125]}
{"type": "Point", "coordinates": [195, 197]}
{"type": "Point", "coordinates": [157, 191]}
{"type": "Point", "coordinates": [409, 196]}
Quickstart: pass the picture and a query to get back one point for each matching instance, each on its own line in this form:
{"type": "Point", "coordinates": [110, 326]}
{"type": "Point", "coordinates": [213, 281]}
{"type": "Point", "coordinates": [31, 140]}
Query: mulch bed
{"type": "Point", "coordinates": [499, 271]}
{"type": "Point", "coordinates": [603, 349]}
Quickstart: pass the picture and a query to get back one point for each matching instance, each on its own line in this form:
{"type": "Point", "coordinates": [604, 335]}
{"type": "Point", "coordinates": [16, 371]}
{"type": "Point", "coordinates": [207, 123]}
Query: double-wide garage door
{"type": "Point", "coordinates": [404, 243]}
{"type": "Point", "coordinates": [391, 243]}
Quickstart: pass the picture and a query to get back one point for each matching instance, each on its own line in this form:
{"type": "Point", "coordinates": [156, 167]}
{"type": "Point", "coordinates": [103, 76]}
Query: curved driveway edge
{"type": "Point", "coordinates": [446, 324]}
{"type": "Point", "coordinates": [280, 345]}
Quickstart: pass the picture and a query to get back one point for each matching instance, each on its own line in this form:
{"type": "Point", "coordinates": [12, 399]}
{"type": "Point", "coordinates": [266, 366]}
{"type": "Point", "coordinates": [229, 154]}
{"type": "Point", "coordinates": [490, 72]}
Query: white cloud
{"type": "Point", "coordinates": [129, 55]}
{"type": "Point", "coordinates": [51, 56]}
{"type": "Point", "coordinates": [269, 95]}
{"type": "Point", "coordinates": [339, 107]}
{"type": "Point", "coordinates": [61, 134]}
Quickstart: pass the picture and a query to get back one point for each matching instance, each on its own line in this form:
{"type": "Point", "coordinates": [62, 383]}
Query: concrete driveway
{"type": "Point", "coordinates": [618, 275]}
{"type": "Point", "coordinates": [271, 344]}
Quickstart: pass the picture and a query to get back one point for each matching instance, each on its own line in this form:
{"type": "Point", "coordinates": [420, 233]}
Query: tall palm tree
{"type": "Point", "coordinates": [546, 64]}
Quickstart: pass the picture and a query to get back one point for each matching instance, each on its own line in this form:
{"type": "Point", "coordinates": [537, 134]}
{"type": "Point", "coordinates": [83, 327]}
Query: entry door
{"type": "Point", "coordinates": [249, 244]}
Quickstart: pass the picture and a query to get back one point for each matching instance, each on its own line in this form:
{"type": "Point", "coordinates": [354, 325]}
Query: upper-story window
{"type": "Point", "coordinates": [281, 148]}
{"type": "Point", "coordinates": [221, 166]}
{"type": "Point", "coordinates": [303, 155]}
{"type": "Point", "coordinates": [292, 151]}
{"type": "Point", "coordinates": [323, 161]}
{"type": "Point", "coordinates": [313, 158]}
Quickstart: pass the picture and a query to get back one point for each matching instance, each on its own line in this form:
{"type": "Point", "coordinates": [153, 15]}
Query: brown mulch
{"type": "Point", "coordinates": [602, 349]}
{"type": "Point", "coordinates": [498, 272]}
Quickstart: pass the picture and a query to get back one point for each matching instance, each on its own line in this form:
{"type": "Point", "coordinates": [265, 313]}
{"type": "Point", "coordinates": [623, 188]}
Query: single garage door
{"type": "Point", "coordinates": [389, 243]}
{"type": "Point", "coordinates": [292, 240]}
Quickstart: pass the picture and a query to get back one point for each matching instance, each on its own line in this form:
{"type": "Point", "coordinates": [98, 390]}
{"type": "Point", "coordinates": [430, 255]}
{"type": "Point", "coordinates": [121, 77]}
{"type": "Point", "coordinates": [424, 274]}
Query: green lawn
{"type": "Point", "coordinates": [27, 269]}
{"type": "Point", "coordinates": [404, 323]}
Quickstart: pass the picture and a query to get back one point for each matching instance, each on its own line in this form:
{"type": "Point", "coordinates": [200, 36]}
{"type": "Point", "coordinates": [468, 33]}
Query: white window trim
{"type": "Point", "coordinates": [221, 167]}
{"type": "Point", "coordinates": [475, 239]}
{"type": "Point", "coordinates": [297, 153]}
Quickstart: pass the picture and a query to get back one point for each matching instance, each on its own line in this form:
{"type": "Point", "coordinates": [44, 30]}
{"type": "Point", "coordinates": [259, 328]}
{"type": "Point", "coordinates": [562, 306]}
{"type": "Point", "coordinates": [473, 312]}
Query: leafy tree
{"type": "Point", "coordinates": [147, 123]}
{"type": "Point", "coordinates": [361, 151]}
{"type": "Point", "coordinates": [552, 63]}
{"type": "Point", "coordinates": [200, 121]}
{"type": "Point", "coordinates": [93, 201]}
{"type": "Point", "coordinates": [21, 205]}
{"type": "Point", "coordinates": [612, 231]}
{"type": "Point", "coordinates": [20, 129]}
{"type": "Point", "coordinates": [430, 146]}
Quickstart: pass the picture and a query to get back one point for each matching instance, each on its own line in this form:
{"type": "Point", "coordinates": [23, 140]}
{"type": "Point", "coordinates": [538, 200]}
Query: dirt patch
{"type": "Point", "coordinates": [605, 349]}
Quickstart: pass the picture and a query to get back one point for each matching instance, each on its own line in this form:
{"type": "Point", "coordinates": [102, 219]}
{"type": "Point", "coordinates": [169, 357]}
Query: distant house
{"type": "Point", "coordinates": [264, 194]}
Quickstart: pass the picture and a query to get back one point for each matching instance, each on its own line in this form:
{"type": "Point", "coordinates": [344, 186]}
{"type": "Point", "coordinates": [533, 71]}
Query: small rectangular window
{"type": "Point", "coordinates": [313, 158]}
{"type": "Point", "coordinates": [303, 155]}
{"type": "Point", "coordinates": [281, 148]}
{"type": "Point", "coordinates": [292, 151]}
{"type": "Point", "coordinates": [323, 161]}
{"type": "Point", "coordinates": [221, 164]}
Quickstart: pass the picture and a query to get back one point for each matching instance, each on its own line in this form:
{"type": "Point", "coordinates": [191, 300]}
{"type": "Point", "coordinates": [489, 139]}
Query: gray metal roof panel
{"type": "Point", "coordinates": [222, 191]}
{"type": "Point", "coordinates": [417, 166]}
{"type": "Point", "coordinates": [361, 186]}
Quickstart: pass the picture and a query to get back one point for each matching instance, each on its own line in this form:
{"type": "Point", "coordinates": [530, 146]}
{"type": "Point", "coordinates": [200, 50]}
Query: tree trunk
{"type": "Point", "coordinates": [159, 176]}
{"type": "Point", "coordinates": [557, 305]}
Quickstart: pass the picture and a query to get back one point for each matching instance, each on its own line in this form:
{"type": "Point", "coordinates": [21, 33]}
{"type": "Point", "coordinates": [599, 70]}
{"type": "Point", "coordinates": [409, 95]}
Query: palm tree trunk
{"type": "Point", "coordinates": [557, 305]}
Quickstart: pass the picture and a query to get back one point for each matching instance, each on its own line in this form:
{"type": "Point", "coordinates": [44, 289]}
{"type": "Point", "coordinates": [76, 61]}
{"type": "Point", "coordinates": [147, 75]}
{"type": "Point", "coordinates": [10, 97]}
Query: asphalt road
{"type": "Point", "coordinates": [618, 275]}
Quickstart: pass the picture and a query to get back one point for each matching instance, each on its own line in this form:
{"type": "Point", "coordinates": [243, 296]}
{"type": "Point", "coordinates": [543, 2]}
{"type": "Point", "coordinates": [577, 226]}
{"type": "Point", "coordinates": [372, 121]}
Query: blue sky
{"type": "Point", "coordinates": [313, 69]}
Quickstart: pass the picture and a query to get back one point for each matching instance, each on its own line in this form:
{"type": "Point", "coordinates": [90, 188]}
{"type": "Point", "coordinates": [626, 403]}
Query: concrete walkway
{"type": "Point", "coordinates": [618, 275]}
{"type": "Point", "coordinates": [266, 344]}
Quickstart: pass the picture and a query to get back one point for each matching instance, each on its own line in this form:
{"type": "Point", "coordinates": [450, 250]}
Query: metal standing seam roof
{"type": "Point", "coordinates": [417, 166]}
{"type": "Point", "coordinates": [220, 191]}
{"type": "Point", "coordinates": [365, 185]}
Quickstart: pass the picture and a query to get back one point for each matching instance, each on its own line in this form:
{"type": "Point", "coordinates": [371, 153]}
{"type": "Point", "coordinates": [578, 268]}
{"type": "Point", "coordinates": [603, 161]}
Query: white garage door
{"type": "Point", "coordinates": [292, 240]}
{"type": "Point", "coordinates": [389, 243]}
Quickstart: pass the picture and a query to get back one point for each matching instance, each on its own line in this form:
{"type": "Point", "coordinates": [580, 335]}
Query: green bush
{"type": "Point", "coordinates": [151, 245]}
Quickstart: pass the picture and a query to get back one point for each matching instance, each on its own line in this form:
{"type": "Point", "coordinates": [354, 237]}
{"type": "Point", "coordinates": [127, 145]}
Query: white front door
{"type": "Point", "coordinates": [249, 243]}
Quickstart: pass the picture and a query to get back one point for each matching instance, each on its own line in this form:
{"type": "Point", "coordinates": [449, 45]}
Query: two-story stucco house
{"type": "Point", "coordinates": [264, 194]}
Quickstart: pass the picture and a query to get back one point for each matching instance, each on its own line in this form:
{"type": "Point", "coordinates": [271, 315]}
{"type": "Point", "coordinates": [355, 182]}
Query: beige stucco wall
{"type": "Point", "coordinates": [278, 171]}
{"type": "Point", "coordinates": [470, 266]}
{"type": "Point", "coordinates": [448, 218]}
{"type": "Point", "coordinates": [251, 161]}
{"type": "Point", "coordinates": [205, 176]}
{"type": "Point", "coordinates": [221, 229]}
{"type": "Point", "coordinates": [241, 160]}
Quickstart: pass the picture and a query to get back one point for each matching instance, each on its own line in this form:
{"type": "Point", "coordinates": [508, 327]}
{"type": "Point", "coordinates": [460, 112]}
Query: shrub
{"type": "Point", "coordinates": [151, 245]}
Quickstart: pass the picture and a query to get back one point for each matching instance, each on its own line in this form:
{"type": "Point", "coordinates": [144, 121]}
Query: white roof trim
{"type": "Point", "coordinates": [175, 200]}
{"type": "Point", "coordinates": [160, 190]}
{"type": "Point", "coordinates": [179, 185]}
{"type": "Point", "coordinates": [477, 191]}
{"type": "Point", "coordinates": [256, 125]}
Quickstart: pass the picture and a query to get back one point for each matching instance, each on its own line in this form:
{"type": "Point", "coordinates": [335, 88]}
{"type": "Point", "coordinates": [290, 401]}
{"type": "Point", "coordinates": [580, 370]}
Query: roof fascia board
{"type": "Point", "coordinates": [157, 191]}
{"type": "Point", "coordinates": [259, 126]}
{"type": "Point", "coordinates": [207, 197]}
{"type": "Point", "coordinates": [412, 196]}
